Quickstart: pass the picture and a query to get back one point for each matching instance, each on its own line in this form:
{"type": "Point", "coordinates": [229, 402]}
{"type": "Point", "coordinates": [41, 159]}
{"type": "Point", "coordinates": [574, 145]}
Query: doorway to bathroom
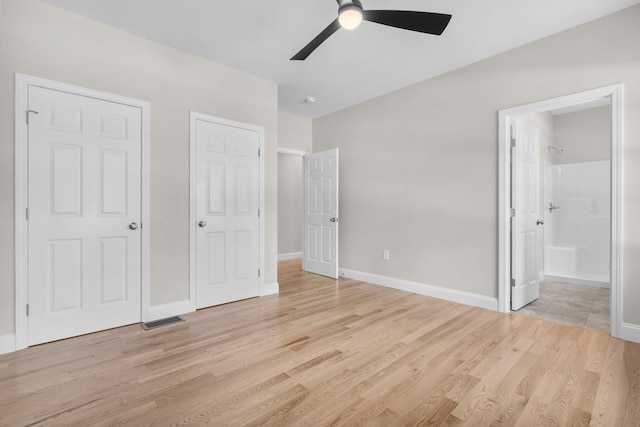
{"type": "Point", "coordinates": [571, 259]}
{"type": "Point", "coordinates": [573, 213]}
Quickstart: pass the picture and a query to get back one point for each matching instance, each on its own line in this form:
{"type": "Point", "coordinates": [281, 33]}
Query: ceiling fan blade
{"type": "Point", "coordinates": [313, 44]}
{"type": "Point", "coordinates": [424, 22]}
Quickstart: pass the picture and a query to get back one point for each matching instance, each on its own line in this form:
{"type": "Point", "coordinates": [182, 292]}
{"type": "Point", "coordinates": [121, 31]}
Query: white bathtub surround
{"type": "Point", "coordinates": [577, 233]}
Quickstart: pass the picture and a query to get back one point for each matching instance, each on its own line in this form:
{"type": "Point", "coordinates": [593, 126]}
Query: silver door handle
{"type": "Point", "coordinates": [202, 224]}
{"type": "Point", "coordinates": [133, 226]}
{"type": "Point", "coordinates": [335, 220]}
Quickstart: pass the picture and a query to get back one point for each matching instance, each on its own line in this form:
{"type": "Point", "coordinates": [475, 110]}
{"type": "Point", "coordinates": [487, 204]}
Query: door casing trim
{"type": "Point", "coordinates": [616, 95]}
{"type": "Point", "coordinates": [22, 83]}
{"type": "Point", "coordinates": [193, 118]}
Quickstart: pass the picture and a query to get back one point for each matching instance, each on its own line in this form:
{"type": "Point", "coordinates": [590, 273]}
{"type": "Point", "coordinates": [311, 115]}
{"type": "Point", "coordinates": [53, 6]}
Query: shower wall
{"type": "Point", "coordinates": [577, 233]}
{"type": "Point", "coordinates": [577, 181]}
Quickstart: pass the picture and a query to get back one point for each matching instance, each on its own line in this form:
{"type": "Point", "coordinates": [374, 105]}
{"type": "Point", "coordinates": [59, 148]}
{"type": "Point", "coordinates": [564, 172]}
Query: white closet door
{"type": "Point", "coordinates": [227, 203]}
{"type": "Point", "coordinates": [84, 215]}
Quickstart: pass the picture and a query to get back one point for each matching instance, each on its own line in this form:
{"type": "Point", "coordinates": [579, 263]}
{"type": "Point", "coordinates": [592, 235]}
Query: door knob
{"type": "Point", "coordinates": [202, 223]}
{"type": "Point", "coordinates": [335, 220]}
{"type": "Point", "coordinates": [133, 226]}
{"type": "Point", "coordinates": [538, 222]}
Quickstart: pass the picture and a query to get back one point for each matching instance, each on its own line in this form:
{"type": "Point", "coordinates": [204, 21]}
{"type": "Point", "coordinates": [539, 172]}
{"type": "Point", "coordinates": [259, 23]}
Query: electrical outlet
{"type": "Point", "coordinates": [385, 254]}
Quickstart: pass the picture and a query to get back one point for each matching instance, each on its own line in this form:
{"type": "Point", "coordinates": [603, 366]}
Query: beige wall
{"type": "Point", "coordinates": [294, 132]}
{"type": "Point", "coordinates": [419, 167]}
{"type": "Point", "coordinates": [43, 41]}
{"type": "Point", "coordinates": [584, 136]}
{"type": "Point", "coordinates": [290, 208]}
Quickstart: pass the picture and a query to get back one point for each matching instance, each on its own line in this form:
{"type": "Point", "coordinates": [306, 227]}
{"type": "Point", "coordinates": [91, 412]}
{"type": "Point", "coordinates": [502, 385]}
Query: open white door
{"type": "Point", "coordinates": [321, 213]}
{"type": "Point", "coordinates": [525, 176]}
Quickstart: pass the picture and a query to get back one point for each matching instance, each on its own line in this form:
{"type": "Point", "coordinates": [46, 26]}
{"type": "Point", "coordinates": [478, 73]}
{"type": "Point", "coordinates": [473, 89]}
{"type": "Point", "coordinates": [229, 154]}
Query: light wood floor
{"type": "Point", "coordinates": [328, 352]}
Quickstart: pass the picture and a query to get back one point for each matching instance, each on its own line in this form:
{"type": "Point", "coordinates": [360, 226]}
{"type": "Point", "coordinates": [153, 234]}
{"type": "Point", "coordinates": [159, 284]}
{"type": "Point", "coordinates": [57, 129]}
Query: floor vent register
{"type": "Point", "coordinates": [162, 322]}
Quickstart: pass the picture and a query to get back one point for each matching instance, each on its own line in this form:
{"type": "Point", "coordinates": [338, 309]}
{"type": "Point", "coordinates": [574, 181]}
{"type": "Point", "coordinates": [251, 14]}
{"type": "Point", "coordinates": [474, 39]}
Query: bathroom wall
{"type": "Point", "coordinates": [584, 136]}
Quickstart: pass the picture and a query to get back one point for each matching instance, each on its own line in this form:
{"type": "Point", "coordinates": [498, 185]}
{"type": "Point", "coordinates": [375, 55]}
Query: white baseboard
{"type": "Point", "coordinates": [7, 343]}
{"type": "Point", "coordinates": [290, 255]}
{"type": "Point", "coordinates": [269, 289]}
{"type": "Point", "coordinates": [163, 311]}
{"type": "Point", "coordinates": [423, 289]}
{"type": "Point", "coordinates": [630, 332]}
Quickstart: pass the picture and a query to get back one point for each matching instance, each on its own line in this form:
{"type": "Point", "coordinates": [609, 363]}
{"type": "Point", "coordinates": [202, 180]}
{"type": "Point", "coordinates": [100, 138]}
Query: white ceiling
{"type": "Point", "coordinates": [259, 37]}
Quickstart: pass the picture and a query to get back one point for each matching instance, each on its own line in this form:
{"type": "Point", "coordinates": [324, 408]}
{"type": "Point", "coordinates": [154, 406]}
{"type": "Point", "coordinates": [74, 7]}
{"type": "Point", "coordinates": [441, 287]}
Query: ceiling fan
{"type": "Point", "coordinates": [351, 14]}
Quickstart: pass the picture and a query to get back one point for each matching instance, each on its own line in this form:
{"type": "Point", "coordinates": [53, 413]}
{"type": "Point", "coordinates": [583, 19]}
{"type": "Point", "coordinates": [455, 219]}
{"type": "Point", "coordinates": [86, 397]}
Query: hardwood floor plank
{"type": "Point", "coordinates": [329, 352]}
{"type": "Point", "coordinates": [608, 408]}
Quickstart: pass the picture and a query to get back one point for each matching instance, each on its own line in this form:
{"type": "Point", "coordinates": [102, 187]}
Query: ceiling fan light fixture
{"type": "Point", "coordinates": [350, 16]}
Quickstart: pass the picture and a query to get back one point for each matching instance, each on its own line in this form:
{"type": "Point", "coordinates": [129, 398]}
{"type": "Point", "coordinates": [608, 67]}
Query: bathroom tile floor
{"type": "Point", "coordinates": [579, 305]}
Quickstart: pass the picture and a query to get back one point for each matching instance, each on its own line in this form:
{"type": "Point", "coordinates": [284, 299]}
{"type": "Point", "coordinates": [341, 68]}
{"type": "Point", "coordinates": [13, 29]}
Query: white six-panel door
{"type": "Point", "coordinates": [84, 210]}
{"type": "Point", "coordinates": [526, 202]}
{"type": "Point", "coordinates": [321, 213]}
{"type": "Point", "coordinates": [227, 218]}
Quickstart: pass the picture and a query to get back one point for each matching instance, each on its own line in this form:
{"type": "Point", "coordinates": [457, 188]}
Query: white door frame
{"type": "Point", "coordinates": [23, 82]}
{"type": "Point", "coordinates": [193, 117]}
{"type": "Point", "coordinates": [615, 94]}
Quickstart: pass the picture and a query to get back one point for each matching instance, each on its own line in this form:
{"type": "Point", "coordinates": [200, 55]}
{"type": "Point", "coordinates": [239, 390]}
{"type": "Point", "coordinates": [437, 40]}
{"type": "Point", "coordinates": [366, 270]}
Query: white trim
{"type": "Point", "coordinates": [577, 281]}
{"type": "Point", "coordinates": [20, 200]}
{"type": "Point", "coordinates": [145, 229]}
{"type": "Point", "coordinates": [269, 289]}
{"type": "Point", "coordinates": [193, 117]}
{"type": "Point", "coordinates": [423, 289]}
{"type": "Point", "coordinates": [7, 343]}
{"type": "Point", "coordinates": [291, 152]}
{"type": "Point", "coordinates": [615, 94]}
{"type": "Point", "coordinates": [630, 332]}
{"type": "Point", "coordinates": [22, 83]}
{"type": "Point", "coordinates": [162, 311]}
{"type": "Point", "coordinates": [290, 255]}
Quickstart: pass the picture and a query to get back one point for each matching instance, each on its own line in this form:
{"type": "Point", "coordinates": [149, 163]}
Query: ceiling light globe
{"type": "Point", "coordinates": [350, 17]}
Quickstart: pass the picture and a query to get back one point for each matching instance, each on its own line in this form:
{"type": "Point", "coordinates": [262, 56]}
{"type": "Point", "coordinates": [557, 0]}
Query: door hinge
{"type": "Point", "coordinates": [513, 283]}
{"type": "Point", "coordinates": [27, 213]}
{"type": "Point", "coordinates": [31, 111]}
{"type": "Point", "coordinates": [513, 142]}
{"type": "Point", "coordinates": [258, 272]}
{"type": "Point", "coordinates": [27, 310]}
{"type": "Point", "coordinates": [258, 213]}
{"type": "Point", "coordinates": [512, 212]}
{"type": "Point", "coordinates": [258, 152]}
